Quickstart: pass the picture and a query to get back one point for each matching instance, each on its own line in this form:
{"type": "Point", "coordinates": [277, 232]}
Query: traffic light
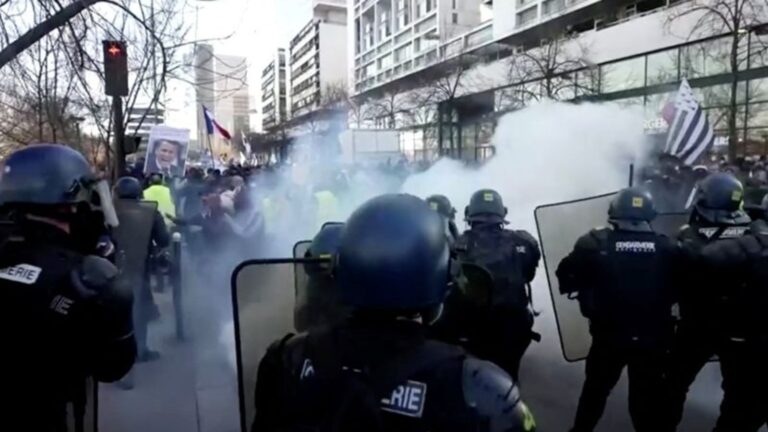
{"type": "Point", "coordinates": [115, 68]}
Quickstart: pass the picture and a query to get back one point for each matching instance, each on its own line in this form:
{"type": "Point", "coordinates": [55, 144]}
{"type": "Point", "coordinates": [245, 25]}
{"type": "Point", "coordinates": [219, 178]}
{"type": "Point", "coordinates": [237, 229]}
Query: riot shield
{"type": "Point", "coordinates": [133, 236]}
{"type": "Point", "coordinates": [559, 226]}
{"type": "Point", "coordinates": [263, 304]}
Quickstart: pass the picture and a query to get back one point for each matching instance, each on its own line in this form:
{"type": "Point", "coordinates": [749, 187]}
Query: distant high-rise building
{"type": "Point", "coordinates": [274, 91]}
{"type": "Point", "coordinates": [204, 89]}
{"type": "Point", "coordinates": [232, 108]}
{"type": "Point", "coordinates": [318, 57]}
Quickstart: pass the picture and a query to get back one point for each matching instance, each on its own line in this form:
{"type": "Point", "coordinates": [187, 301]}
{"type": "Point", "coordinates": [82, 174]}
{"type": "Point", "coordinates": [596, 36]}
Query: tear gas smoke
{"type": "Point", "coordinates": [546, 153]}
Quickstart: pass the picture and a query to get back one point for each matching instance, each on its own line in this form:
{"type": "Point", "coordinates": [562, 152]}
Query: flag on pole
{"type": "Point", "coordinates": [211, 124]}
{"type": "Point", "coordinates": [690, 133]}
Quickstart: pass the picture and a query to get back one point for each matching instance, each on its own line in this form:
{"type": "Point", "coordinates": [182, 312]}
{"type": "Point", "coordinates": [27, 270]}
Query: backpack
{"type": "Point", "coordinates": [504, 255]}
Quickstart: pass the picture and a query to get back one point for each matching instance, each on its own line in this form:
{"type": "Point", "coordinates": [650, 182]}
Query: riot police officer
{"type": "Point", "coordinates": [378, 371]}
{"type": "Point", "coordinates": [64, 319]}
{"type": "Point", "coordinates": [317, 301]}
{"type": "Point", "coordinates": [623, 277]}
{"type": "Point", "coordinates": [143, 227]}
{"type": "Point", "coordinates": [442, 205]}
{"type": "Point", "coordinates": [705, 316]}
{"type": "Point", "coordinates": [511, 257]}
{"type": "Point", "coordinates": [744, 352]}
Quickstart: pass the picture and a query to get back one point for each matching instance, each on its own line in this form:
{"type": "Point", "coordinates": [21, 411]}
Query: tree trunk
{"type": "Point", "coordinates": [39, 31]}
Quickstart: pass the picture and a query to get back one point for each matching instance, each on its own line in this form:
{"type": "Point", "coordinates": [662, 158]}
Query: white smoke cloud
{"type": "Point", "coordinates": [546, 153]}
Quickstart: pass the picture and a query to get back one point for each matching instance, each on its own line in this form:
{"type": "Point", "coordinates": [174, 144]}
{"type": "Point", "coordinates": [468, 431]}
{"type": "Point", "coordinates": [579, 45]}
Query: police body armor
{"type": "Point", "coordinates": [48, 315]}
{"type": "Point", "coordinates": [622, 280]}
{"type": "Point", "coordinates": [702, 297]}
{"type": "Point", "coordinates": [560, 225]}
{"type": "Point", "coordinates": [507, 257]}
{"type": "Point", "coordinates": [133, 237]}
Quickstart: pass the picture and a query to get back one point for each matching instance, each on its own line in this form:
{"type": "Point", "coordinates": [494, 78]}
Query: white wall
{"type": "Point", "coordinates": [333, 54]}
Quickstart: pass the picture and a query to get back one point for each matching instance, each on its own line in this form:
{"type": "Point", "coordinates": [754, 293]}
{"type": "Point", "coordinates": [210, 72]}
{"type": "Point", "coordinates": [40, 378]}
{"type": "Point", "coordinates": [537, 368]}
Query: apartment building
{"type": "Point", "coordinates": [274, 81]}
{"type": "Point", "coordinates": [393, 37]}
{"type": "Point", "coordinates": [318, 57]}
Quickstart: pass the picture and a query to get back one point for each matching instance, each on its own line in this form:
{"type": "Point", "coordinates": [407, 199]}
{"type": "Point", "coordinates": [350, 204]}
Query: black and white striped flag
{"type": "Point", "coordinates": [690, 133]}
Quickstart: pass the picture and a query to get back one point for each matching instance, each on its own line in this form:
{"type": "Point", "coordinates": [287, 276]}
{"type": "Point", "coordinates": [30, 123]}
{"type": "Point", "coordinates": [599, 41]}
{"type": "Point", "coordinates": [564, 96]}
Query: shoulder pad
{"type": "Point", "coordinates": [96, 271]}
{"type": "Point", "coordinates": [494, 396]}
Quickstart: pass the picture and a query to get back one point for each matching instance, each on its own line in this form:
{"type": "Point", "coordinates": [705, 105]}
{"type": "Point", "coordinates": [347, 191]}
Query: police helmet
{"type": "Point", "coordinates": [485, 205]}
{"type": "Point", "coordinates": [393, 255]}
{"type": "Point", "coordinates": [49, 175]}
{"type": "Point", "coordinates": [720, 200]}
{"type": "Point", "coordinates": [324, 245]}
{"type": "Point", "coordinates": [442, 205]}
{"type": "Point", "coordinates": [128, 188]}
{"type": "Point", "coordinates": [632, 209]}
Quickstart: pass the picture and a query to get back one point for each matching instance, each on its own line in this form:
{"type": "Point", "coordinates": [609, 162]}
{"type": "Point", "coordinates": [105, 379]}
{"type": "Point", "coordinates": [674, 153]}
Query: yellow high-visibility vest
{"type": "Point", "coordinates": [162, 196]}
{"type": "Point", "coordinates": [327, 207]}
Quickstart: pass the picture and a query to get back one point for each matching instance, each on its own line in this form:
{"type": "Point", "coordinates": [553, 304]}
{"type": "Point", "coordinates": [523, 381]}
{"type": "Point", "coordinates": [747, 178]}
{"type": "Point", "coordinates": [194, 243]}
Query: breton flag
{"type": "Point", "coordinates": [690, 133]}
{"type": "Point", "coordinates": [211, 124]}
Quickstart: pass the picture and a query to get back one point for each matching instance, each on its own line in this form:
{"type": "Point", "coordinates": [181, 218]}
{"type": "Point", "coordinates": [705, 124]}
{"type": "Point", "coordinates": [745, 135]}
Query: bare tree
{"type": "Point", "coordinates": [53, 76]}
{"type": "Point", "coordinates": [734, 18]}
{"type": "Point", "coordinates": [390, 106]}
{"type": "Point", "coordinates": [558, 69]}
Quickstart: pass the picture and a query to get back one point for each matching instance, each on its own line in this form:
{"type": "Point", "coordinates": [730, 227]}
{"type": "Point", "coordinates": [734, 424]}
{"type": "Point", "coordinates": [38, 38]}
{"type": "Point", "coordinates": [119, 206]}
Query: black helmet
{"type": "Point", "coordinates": [442, 205]}
{"type": "Point", "coordinates": [324, 245]}
{"type": "Point", "coordinates": [720, 200]}
{"type": "Point", "coordinates": [485, 205]}
{"type": "Point", "coordinates": [49, 175]}
{"type": "Point", "coordinates": [128, 188]}
{"type": "Point", "coordinates": [632, 209]}
{"type": "Point", "coordinates": [393, 256]}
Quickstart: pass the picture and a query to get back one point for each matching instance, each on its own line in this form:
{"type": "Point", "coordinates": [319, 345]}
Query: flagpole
{"type": "Point", "coordinates": [210, 149]}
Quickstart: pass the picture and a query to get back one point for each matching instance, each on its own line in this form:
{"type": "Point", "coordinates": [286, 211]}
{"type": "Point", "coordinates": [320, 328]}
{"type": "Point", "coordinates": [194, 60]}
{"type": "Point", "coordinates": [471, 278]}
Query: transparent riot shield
{"type": "Point", "coordinates": [263, 304]}
{"type": "Point", "coordinates": [559, 226]}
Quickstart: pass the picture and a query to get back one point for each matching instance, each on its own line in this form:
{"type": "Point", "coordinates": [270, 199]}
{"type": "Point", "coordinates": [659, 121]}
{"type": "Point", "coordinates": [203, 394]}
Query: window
{"type": "Point", "coordinates": [623, 75]}
{"type": "Point", "coordinates": [454, 4]}
{"type": "Point", "coordinates": [455, 18]}
{"type": "Point", "coordinates": [527, 16]}
{"type": "Point", "coordinates": [662, 67]}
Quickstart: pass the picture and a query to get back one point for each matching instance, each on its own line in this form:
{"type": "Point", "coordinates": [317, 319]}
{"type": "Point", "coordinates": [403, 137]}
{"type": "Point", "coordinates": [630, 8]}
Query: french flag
{"type": "Point", "coordinates": [211, 124]}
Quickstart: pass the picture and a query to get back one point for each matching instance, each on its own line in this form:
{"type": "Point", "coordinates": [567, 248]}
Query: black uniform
{"type": "Point", "coordinates": [722, 309]}
{"type": "Point", "coordinates": [504, 331]}
{"type": "Point", "coordinates": [382, 376]}
{"type": "Point", "coordinates": [65, 322]}
{"type": "Point", "coordinates": [745, 405]}
{"type": "Point", "coordinates": [624, 280]}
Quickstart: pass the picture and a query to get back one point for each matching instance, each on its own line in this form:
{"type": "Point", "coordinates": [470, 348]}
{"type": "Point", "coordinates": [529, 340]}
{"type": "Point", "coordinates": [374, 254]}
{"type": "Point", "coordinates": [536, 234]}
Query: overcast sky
{"type": "Point", "coordinates": [257, 27]}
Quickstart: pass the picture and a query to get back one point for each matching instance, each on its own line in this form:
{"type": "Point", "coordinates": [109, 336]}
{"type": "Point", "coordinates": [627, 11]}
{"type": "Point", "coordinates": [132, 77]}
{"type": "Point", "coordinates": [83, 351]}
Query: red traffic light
{"type": "Point", "coordinates": [115, 50]}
